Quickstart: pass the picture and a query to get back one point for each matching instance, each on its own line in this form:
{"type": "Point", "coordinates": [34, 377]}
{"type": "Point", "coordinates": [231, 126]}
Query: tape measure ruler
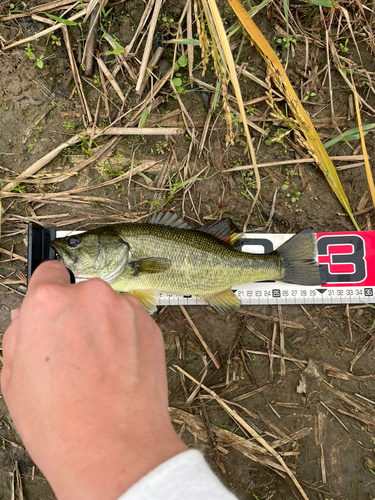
{"type": "Point", "coordinates": [348, 258]}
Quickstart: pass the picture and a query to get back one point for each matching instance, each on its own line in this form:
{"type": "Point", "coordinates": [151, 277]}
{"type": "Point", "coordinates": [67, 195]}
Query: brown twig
{"type": "Point", "coordinates": [88, 54]}
{"type": "Point", "coordinates": [151, 65]}
{"type": "Point", "coordinates": [146, 53]}
{"type": "Point", "coordinates": [202, 341]}
{"type": "Point", "coordinates": [77, 78]}
{"type": "Point", "coordinates": [111, 79]}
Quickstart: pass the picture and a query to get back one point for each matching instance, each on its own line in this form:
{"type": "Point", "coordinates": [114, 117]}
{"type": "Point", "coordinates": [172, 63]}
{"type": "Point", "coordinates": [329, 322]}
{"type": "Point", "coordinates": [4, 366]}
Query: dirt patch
{"type": "Point", "coordinates": [313, 415]}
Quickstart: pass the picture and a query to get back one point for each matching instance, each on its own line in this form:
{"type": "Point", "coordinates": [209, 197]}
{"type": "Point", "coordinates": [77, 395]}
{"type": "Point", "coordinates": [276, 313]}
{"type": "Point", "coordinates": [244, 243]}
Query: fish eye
{"type": "Point", "coordinates": [74, 241]}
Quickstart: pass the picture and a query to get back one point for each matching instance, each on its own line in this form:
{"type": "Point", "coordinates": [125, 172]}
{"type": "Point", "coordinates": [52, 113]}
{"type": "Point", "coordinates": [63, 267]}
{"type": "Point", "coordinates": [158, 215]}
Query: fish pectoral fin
{"type": "Point", "coordinates": [225, 302]}
{"type": "Point", "coordinates": [151, 265]}
{"type": "Point", "coordinates": [148, 299]}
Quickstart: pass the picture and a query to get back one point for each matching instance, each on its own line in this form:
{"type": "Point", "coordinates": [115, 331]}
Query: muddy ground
{"type": "Point", "coordinates": [333, 455]}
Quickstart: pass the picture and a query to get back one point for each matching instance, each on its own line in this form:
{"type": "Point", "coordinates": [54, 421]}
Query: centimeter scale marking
{"type": "Point", "coordinates": [349, 259]}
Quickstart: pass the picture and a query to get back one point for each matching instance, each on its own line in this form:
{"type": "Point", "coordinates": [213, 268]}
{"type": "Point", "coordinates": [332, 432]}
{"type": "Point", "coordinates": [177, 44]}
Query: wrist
{"type": "Point", "coordinates": [111, 469]}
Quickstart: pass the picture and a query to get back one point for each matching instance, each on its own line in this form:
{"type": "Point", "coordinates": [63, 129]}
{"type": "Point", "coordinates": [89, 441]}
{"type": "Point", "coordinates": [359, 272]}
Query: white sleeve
{"type": "Point", "coordinates": [186, 476]}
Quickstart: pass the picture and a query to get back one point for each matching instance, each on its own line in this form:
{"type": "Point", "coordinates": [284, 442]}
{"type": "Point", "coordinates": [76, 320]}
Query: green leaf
{"type": "Point", "coordinates": [323, 3]}
{"type": "Point", "coordinates": [182, 61]}
{"type": "Point", "coordinates": [61, 20]}
{"type": "Point", "coordinates": [177, 82]}
{"type": "Point", "coordinates": [348, 135]}
{"type": "Point", "coordinates": [114, 52]}
{"type": "Point", "coordinates": [184, 41]}
{"type": "Point", "coordinates": [144, 117]}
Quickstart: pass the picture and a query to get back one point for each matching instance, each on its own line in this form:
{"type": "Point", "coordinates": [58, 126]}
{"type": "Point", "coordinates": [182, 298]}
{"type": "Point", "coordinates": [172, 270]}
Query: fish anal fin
{"type": "Point", "coordinates": [224, 230]}
{"type": "Point", "coordinates": [151, 265]}
{"type": "Point", "coordinates": [225, 302]}
{"type": "Point", "coordinates": [168, 219]}
{"type": "Point", "coordinates": [148, 299]}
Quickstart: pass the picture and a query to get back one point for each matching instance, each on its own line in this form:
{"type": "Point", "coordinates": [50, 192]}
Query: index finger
{"type": "Point", "coordinates": [49, 272]}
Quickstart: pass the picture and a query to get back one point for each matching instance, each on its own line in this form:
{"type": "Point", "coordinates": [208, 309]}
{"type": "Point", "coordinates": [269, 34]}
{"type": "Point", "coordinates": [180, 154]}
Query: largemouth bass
{"type": "Point", "coordinates": [165, 255]}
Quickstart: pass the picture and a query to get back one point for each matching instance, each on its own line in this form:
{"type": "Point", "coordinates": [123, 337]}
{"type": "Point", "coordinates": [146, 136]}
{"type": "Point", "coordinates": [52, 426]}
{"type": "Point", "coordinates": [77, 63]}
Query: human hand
{"type": "Point", "coordinates": [85, 383]}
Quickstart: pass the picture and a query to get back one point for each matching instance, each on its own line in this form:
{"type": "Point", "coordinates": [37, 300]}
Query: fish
{"type": "Point", "coordinates": [166, 255]}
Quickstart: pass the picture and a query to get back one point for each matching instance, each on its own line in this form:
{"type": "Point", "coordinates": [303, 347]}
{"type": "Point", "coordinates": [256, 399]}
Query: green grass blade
{"type": "Point", "coordinates": [184, 41]}
{"type": "Point", "coordinates": [61, 20]}
{"type": "Point", "coordinates": [349, 135]}
{"type": "Point", "coordinates": [322, 3]}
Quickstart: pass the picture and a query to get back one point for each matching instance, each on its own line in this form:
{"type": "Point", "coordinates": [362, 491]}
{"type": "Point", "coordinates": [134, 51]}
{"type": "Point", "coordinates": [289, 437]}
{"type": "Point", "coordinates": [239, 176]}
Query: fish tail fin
{"type": "Point", "coordinates": [299, 259]}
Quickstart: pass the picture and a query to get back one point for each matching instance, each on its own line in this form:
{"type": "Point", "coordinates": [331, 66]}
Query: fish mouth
{"type": "Point", "coordinates": [60, 253]}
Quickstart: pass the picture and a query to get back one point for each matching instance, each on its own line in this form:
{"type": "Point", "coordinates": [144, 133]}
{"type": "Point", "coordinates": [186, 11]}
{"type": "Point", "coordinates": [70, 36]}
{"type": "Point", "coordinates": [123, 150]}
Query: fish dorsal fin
{"type": "Point", "coordinates": [148, 299]}
{"type": "Point", "coordinates": [150, 265]}
{"type": "Point", "coordinates": [224, 302]}
{"type": "Point", "coordinates": [224, 230]}
{"type": "Point", "coordinates": [168, 219]}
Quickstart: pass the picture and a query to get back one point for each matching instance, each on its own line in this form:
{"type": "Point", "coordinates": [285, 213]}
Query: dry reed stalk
{"type": "Point", "coordinates": [77, 77]}
{"type": "Point", "coordinates": [360, 353]}
{"type": "Point", "coordinates": [93, 128]}
{"type": "Point", "coordinates": [251, 393]}
{"type": "Point", "coordinates": [42, 162]}
{"type": "Point", "coordinates": [89, 50]}
{"type": "Point", "coordinates": [41, 19]}
{"type": "Point", "coordinates": [287, 324]}
{"type": "Point", "coordinates": [190, 399]}
{"type": "Point", "coordinates": [135, 131]}
{"type": "Point", "coordinates": [98, 155]}
{"type": "Point", "coordinates": [18, 479]}
{"type": "Point", "coordinates": [201, 339]}
{"type": "Point", "coordinates": [189, 33]}
{"type": "Point", "coordinates": [185, 112]}
{"type": "Point", "coordinates": [93, 4]}
{"type": "Point", "coordinates": [140, 26]}
{"type": "Point", "coordinates": [278, 356]}
{"type": "Point", "coordinates": [336, 417]}
{"type": "Point", "coordinates": [147, 50]}
{"type": "Point", "coordinates": [40, 8]}
{"type": "Point", "coordinates": [370, 179]}
{"type": "Point", "coordinates": [112, 81]}
{"type": "Point", "coordinates": [13, 255]}
{"type": "Point", "coordinates": [291, 162]}
{"type": "Point", "coordinates": [224, 438]}
{"type": "Point", "coordinates": [249, 429]}
{"type": "Point", "coordinates": [46, 31]}
{"type": "Point", "coordinates": [69, 193]}
{"type": "Point", "coordinates": [105, 94]}
{"type": "Point", "coordinates": [270, 373]}
{"type": "Point", "coordinates": [282, 343]}
{"type": "Point", "coordinates": [151, 66]}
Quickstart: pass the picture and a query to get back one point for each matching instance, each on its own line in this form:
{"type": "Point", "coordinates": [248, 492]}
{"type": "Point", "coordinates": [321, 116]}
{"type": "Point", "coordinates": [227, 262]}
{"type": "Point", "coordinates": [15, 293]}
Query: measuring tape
{"type": "Point", "coordinates": [348, 259]}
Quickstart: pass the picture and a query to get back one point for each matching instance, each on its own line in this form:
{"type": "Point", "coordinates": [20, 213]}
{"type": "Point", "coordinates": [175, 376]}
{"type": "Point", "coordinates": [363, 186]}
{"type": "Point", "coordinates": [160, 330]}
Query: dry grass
{"type": "Point", "coordinates": [129, 93]}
